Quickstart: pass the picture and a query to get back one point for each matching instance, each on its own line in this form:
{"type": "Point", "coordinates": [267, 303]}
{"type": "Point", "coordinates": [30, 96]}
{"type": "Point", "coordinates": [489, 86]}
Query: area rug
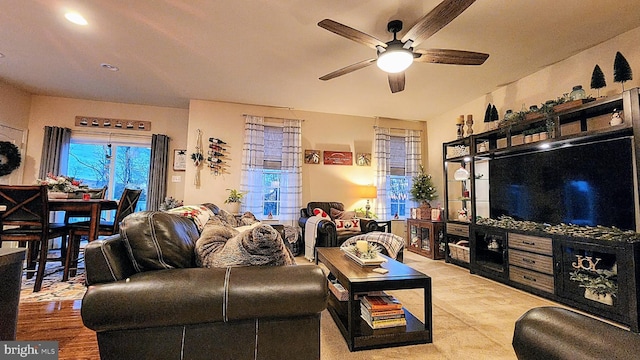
{"type": "Point", "coordinates": [53, 288]}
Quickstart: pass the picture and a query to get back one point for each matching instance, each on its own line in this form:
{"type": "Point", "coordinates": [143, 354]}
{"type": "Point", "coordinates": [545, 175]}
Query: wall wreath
{"type": "Point", "coordinates": [9, 158]}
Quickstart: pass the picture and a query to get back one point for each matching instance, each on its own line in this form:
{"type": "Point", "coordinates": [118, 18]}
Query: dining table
{"type": "Point", "coordinates": [93, 208]}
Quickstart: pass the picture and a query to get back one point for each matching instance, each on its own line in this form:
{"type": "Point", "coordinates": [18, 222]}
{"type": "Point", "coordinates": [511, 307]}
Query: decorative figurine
{"type": "Point", "coordinates": [469, 124]}
{"type": "Point", "coordinates": [616, 118]}
{"type": "Point", "coordinates": [460, 125]}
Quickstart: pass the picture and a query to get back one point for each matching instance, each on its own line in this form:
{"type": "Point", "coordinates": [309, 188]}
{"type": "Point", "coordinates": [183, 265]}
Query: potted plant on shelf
{"type": "Point", "coordinates": [423, 192]}
{"type": "Point", "coordinates": [234, 200]}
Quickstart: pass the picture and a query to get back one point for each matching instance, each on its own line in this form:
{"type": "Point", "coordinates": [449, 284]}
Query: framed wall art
{"type": "Point", "coordinates": [312, 156]}
{"type": "Point", "coordinates": [363, 159]}
{"type": "Point", "coordinates": [180, 159]}
{"type": "Point", "coordinates": [338, 157]}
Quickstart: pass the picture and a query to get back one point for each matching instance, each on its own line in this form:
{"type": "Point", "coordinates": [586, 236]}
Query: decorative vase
{"type": "Point", "coordinates": [233, 207]}
{"type": "Point", "coordinates": [577, 93]}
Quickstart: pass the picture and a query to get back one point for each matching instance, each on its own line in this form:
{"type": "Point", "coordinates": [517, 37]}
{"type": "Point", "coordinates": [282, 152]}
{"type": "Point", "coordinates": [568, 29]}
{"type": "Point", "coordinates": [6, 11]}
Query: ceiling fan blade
{"type": "Point", "coordinates": [454, 57]}
{"type": "Point", "coordinates": [351, 33]}
{"type": "Point", "coordinates": [435, 20]}
{"type": "Point", "coordinates": [396, 82]}
{"type": "Point", "coordinates": [347, 69]}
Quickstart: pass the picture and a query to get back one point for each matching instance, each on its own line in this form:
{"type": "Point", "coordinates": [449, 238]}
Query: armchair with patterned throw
{"type": "Point", "coordinates": [332, 226]}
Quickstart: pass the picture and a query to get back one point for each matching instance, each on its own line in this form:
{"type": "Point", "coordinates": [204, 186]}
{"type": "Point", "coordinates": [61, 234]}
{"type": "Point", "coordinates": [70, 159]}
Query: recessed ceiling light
{"type": "Point", "coordinates": [109, 67]}
{"type": "Point", "coordinates": [75, 18]}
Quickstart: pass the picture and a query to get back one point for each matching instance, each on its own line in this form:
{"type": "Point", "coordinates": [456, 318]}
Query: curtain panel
{"type": "Point", "coordinates": [291, 186]}
{"type": "Point", "coordinates": [382, 145]}
{"type": "Point", "coordinates": [413, 160]}
{"type": "Point", "coordinates": [252, 164]}
{"type": "Point", "coordinates": [55, 151]}
{"type": "Point", "coordinates": [157, 186]}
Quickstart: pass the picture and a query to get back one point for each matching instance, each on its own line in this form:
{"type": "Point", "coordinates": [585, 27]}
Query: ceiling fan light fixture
{"type": "Point", "coordinates": [395, 60]}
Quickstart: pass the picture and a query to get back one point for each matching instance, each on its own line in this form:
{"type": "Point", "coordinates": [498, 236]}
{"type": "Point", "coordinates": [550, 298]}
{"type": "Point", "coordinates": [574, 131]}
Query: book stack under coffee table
{"type": "Point", "coordinates": [362, 285]}
{"type": "Point", "coordinates": [382, 312]}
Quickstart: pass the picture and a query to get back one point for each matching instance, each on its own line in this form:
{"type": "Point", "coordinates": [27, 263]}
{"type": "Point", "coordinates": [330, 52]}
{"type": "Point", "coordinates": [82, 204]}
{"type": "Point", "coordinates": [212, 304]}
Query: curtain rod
{"type": "Point", "coordinates": [272, 117]}
{"type": "Point", "coordinates": [392, 128]}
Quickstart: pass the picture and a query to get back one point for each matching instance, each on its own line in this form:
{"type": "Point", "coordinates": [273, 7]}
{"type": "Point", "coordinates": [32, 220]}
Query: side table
{"type": "Point", "coordinates": [385, 225]}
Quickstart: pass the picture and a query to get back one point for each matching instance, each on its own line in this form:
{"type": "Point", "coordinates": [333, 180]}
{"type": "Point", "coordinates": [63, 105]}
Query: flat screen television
{"type": "Point", "coordinates": [586, 184]}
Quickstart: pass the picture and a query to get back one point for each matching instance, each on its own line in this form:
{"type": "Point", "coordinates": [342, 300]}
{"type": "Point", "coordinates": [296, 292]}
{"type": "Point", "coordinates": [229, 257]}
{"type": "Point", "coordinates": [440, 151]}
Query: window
{"type": "Point", "coordinates": [272, 170]}
{"type": "Point", "coordinates": [113, 163]}
{"type": "Point", "coordinates": [398, 183]}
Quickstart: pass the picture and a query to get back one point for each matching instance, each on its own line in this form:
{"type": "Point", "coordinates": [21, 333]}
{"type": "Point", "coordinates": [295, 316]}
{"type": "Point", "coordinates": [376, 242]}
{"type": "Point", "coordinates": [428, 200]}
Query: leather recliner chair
{"type": "Point", "coordinates": [157, 304]}
{"type": "Point", "coordinates": [327, 235]}
{"type": "Point", "coordinates": [554, 333]}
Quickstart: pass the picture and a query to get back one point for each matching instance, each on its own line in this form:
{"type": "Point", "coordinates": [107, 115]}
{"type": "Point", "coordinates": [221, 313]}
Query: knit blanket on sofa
{"type": "Point", "coordinates": [220, 245]}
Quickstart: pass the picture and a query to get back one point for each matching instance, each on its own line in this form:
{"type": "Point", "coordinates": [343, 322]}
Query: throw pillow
{"type": "Point", "coordinates": [260, 245]}
{"type": "Point", "coordinates": [340, 214]}
{"type": "Point", "coordinates": [199, 214]}
{"type": "Point", "coordinates": [227, 218]}
{"type": "Point", "coordinates": [351, 225]}
{"type": "Point", "coordinates": [248, 219]}
{"type": "Point", "coordinates": [321, 213]}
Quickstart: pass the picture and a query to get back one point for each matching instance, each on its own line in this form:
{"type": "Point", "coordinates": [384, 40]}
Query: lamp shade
{"type": "Point", "coordinates": [368, 192]}
{"type": "Point", "coordinates": [461, 174]}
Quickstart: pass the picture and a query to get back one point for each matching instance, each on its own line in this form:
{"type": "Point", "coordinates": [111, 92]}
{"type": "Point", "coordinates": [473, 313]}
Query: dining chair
{"type": "Point", "coordinates": [97, 193]}
{"type": "Point", "coordinates": [126, 205]}
{"type": "Point", "coordinates": [26, 220]}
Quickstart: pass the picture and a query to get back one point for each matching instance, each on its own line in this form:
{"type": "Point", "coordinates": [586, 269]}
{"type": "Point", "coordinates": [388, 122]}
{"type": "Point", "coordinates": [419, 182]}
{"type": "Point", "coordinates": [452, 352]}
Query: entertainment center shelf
{"type": "Point", "coordinates": [601, 277]}
{"type": "Point", "coordinates": [580, 165]}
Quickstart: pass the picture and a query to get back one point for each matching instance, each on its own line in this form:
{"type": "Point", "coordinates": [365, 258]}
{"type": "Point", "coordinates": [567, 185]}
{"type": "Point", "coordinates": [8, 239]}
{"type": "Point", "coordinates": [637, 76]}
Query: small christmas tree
{"type": "Point", "coordinates": [487, 114]}
{"type": "Point", "coordinates": [621, 69]}
{"type": "Point", "coordinates": [494, 113]}
{"type": "Point", "coordinates": [423, 190]}
{"type": "Point", "coordinates": [597, 79]}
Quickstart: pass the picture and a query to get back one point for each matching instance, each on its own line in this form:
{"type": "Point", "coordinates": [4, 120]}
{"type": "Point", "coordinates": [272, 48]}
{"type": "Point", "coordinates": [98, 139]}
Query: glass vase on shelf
{"type": "Point", "coordinates": [577, 93]}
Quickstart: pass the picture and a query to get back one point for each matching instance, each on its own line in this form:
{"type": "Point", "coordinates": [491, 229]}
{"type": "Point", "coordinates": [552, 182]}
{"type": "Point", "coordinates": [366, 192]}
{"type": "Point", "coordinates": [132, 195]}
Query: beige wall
{"type": "Point", "coordinates": [547, 84]}
{"type": "Point", "coordinates": [56, 111]}
{"type": "Point", "coordinates": [320, 131]}
{"type": "Point", "coordinates": [14, 106]}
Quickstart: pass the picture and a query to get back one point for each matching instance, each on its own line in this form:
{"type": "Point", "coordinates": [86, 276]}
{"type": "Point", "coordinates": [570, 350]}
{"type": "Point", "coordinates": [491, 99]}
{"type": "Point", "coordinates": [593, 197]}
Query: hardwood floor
{"type": "Point", "coordinates": [58, 321]}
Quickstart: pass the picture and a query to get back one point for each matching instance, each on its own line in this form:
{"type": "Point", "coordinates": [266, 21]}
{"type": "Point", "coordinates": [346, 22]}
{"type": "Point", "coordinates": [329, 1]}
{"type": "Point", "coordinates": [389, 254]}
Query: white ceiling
{"type": "Point", "coordinates": [270, 52]}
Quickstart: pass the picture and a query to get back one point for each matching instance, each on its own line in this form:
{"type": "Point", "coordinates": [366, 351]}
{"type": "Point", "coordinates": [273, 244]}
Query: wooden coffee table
{"type": "Point", "coordinates": [358, 279]}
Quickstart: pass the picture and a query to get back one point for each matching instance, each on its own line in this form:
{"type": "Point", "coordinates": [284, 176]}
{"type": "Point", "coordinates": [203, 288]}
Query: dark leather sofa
{"type": "Point", "coordinates": [146, 299]}
{"type": "Point", "coordinates": [553, 333]}
{"type": "Point", "coordinates": [327, 234]}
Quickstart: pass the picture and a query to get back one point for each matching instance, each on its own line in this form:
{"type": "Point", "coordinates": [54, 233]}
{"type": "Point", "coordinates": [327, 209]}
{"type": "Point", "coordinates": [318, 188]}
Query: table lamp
{"type": "Point", "coordinates": [368, 192]}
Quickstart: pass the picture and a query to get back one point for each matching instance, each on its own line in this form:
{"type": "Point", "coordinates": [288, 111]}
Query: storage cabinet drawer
{"type": "Point", "coordinates": [531, 278]}
{"type": "Point", "coordinates": [458, 229]}
{"type": "Point", "coordinates": [527, 260]}
{"type": "Point", "coordinates": [534, 244]}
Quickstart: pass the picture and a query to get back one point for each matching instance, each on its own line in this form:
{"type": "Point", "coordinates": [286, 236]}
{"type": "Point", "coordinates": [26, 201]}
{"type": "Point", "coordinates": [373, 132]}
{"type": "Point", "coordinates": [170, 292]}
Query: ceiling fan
{"type": "Point", "coordinates": [395, 56]}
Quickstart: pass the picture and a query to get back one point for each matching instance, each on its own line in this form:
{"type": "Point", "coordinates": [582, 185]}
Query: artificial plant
{"type": "Point", "coordinates": [423, 190]}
